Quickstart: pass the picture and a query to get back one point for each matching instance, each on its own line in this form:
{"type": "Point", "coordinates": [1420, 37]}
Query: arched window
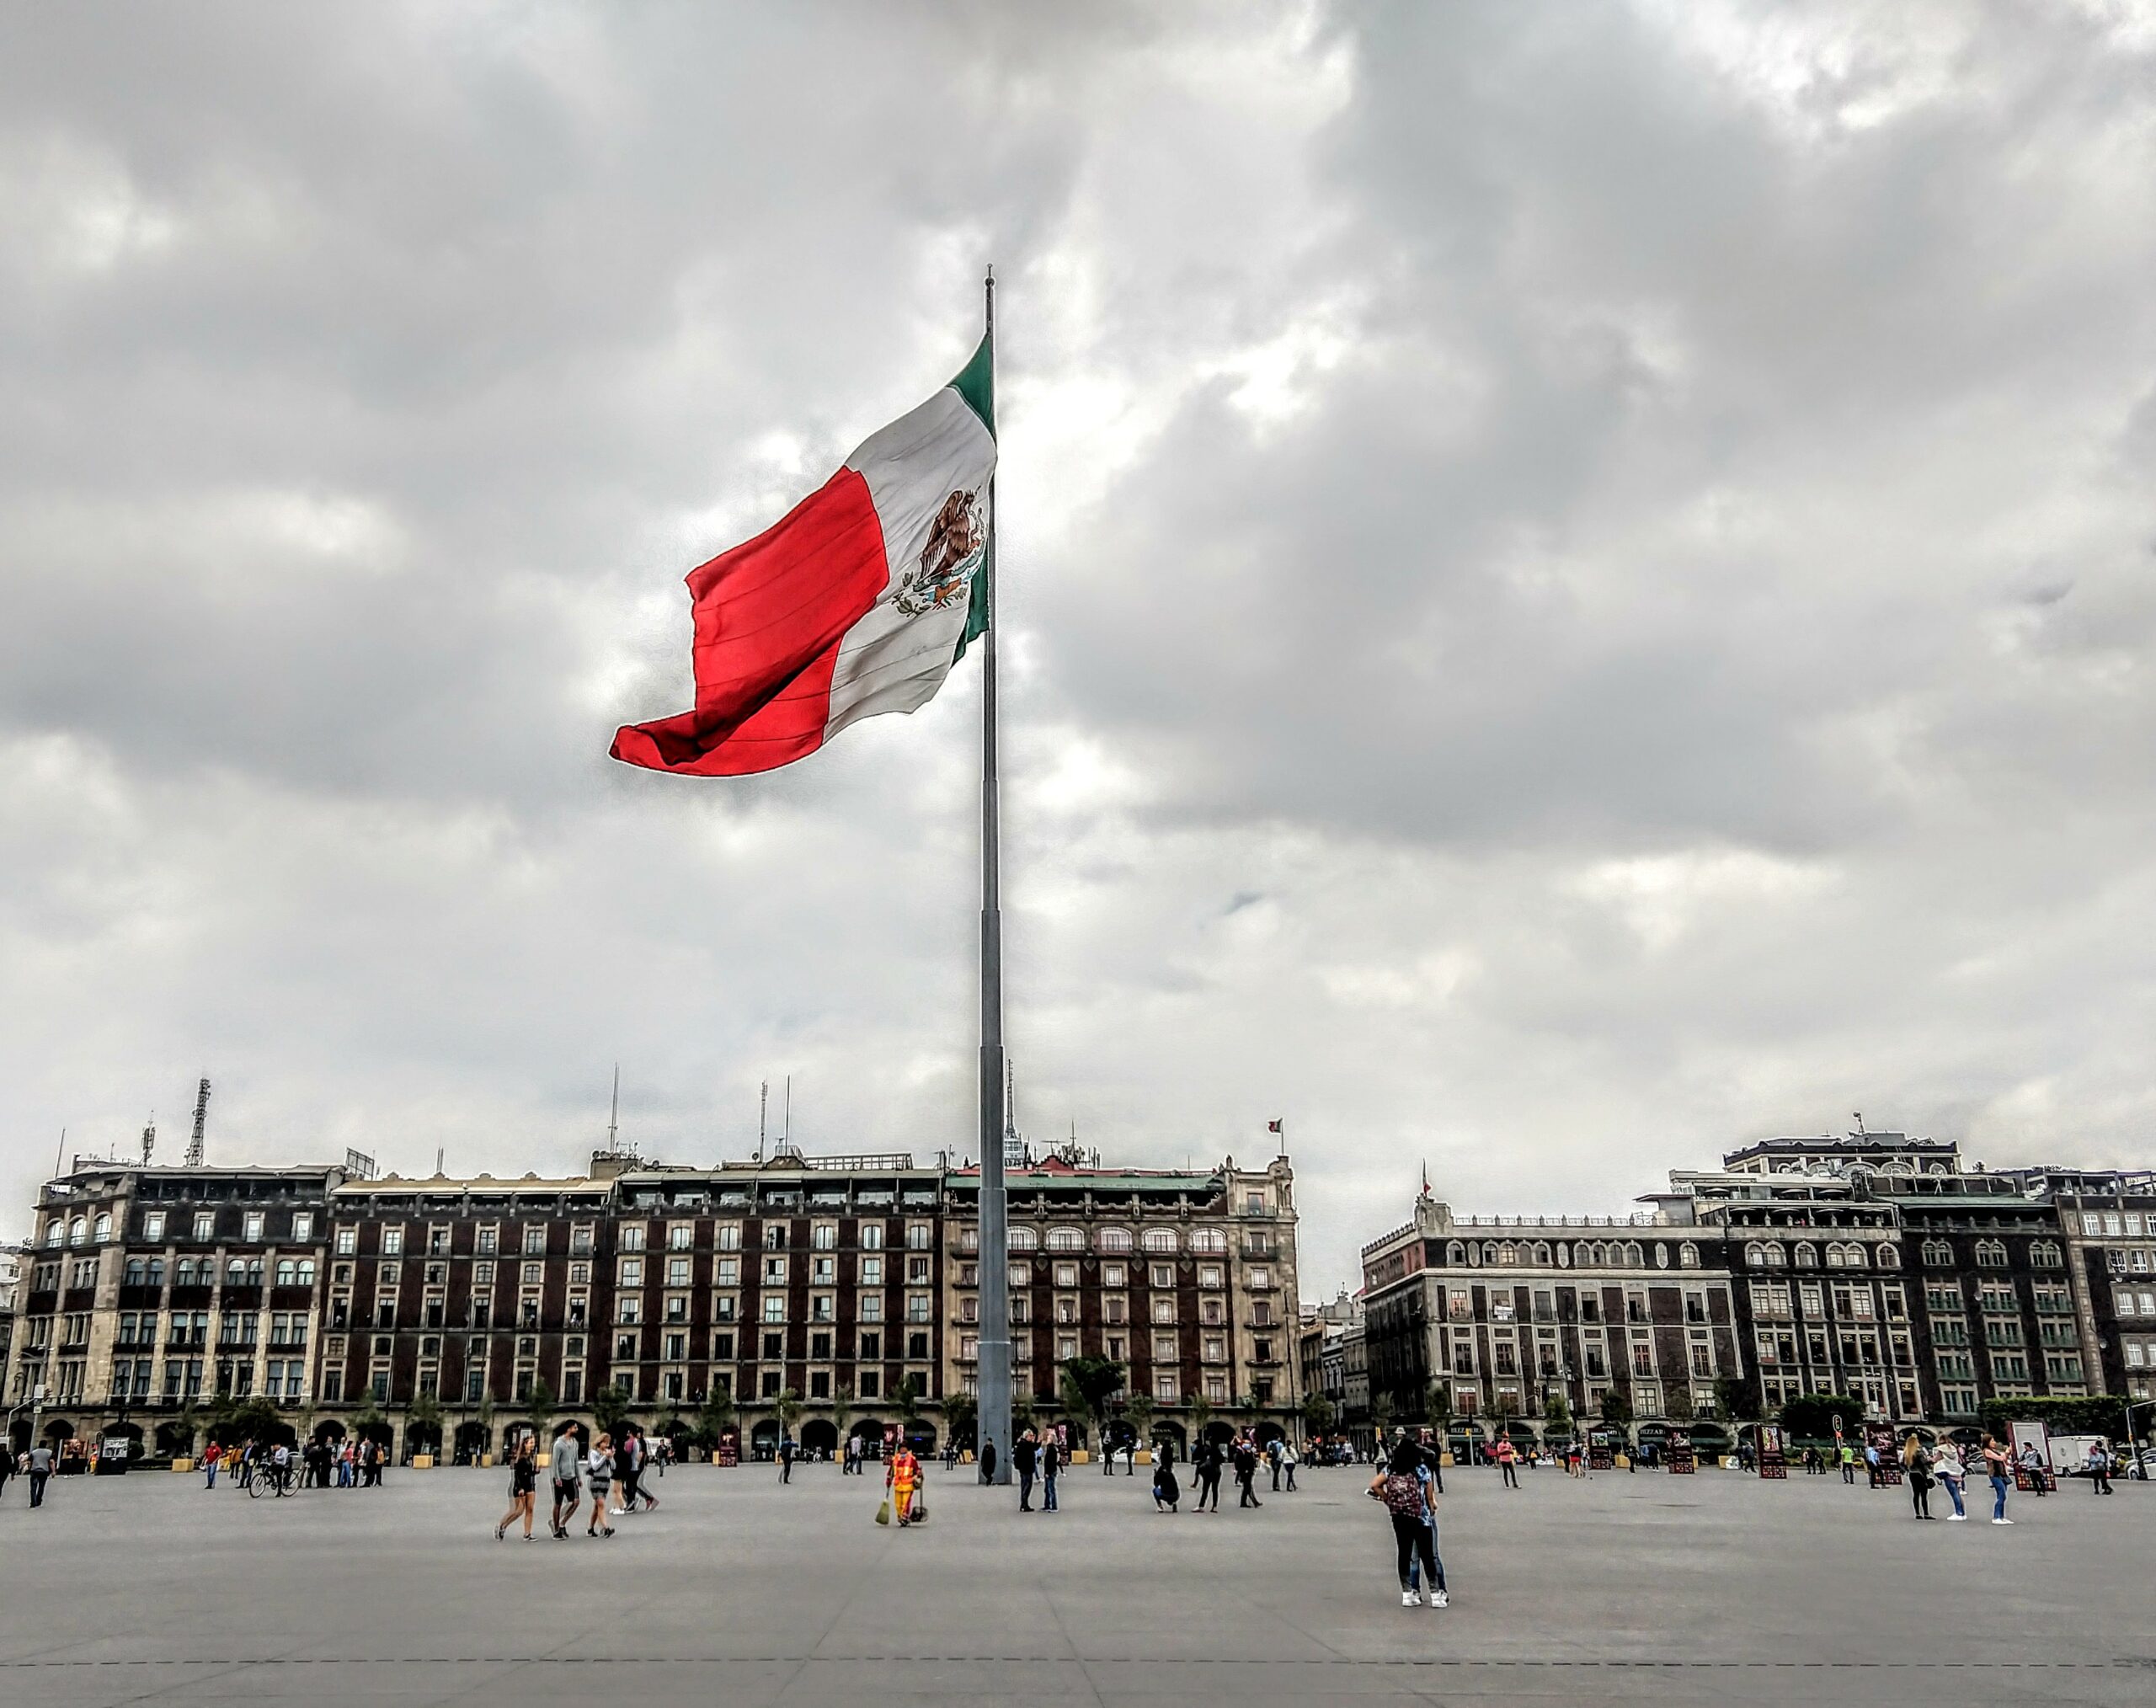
{"type": "Point", "coordinates": [1490, 1251]}
{"type": "Point", "coordinates": [2045, 1255]}
{"type": "Point", "coordinates": [1938, 1255]}
{"type": "Point", "coordinates": [1210, 1240]}
{"type": "Point", "coordinates": [56, 1230]}
{"type": "Point", "coordinates": [1025, 1240]}
{"type": "Point", "coordinates": [236, 1273]}
{"type": "Point", "coordinates": [1834, 1254]}
{"type": "Point", "coordinates": [1755, 1255]}
{"type": "Point", "coordinates": [1066, 1239]}
{"type": "Point", "coordinates": [1508, 1253]}
{"type": "Point", "coordinates": [1633, 1255]}
{"type": "Point", "coordinates": [1808, 1255]}
{"type": "Point", "coordinates": [77, 1232]}
{"type": "Point", "coordinates": [1455, 1253]}
{"type": "Point", "coordinates": [1591, 1253]}
{"type": "Point", "coordinates": [1540, 1255]}
{"type": "Point", "coordinates": [1890, 1256]}
{"type": "Point", "coordinates": [1687, 1256]}
{"type": "Point", "coordinates": [306, 1277]}
{"type": "Point", "coordinates": [1115, 1239]}
{"type": "Point", "coordinates": [1990, 1254]}
{"type": "Point", "coordinates": [1777, 1256]}
{"type": "Point", "coordinates": [183, 1274]}
{"type": "Point", "coordinates": [1161, 1240]}
{"type": "Point", "coordinates": [103, 1230]}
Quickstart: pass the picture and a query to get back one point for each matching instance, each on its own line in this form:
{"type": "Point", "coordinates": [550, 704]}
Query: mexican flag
{"type": "Point", "coordinates": [858, 601]}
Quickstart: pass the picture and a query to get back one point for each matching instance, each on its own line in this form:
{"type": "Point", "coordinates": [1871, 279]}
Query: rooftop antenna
{"type": "Point", "coordinates": [614, 1111]}
{"type": "Point", "coordinates": [149, 1138]}
{"type": "Point", "coordinates": [437, 1173]}
{"type": "Point", "coordinates": [1860, 1121]}
{"type": "Point", "coordinates": [763, 1117]}
{"type": "Point", "coordinates": [785, 1136]}
{"type": "Point", "coordinates": [60, 1152]}
{"type": "Point", "coordinates": [201, 1115]}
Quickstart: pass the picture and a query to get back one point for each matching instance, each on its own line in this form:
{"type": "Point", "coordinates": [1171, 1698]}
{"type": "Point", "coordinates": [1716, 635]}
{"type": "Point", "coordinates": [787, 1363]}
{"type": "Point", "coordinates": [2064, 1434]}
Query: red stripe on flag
{"type": "Point", "coordinates": [769, 616]}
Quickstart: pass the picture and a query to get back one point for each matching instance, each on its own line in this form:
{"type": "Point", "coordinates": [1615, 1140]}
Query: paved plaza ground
{"type": "Point", "coordinates": [1624, 1588]}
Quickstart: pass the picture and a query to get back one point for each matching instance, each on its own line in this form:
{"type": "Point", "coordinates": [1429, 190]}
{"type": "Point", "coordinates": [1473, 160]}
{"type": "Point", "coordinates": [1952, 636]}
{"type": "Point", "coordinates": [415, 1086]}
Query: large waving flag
{"type": "Point", "coordinates": [858, 601]}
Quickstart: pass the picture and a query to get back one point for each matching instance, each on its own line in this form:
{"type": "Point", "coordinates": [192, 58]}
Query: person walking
{"type": "Point", "coordinates": [1168, 1493]}
{"type": "Point", "coordinates": [209, 1467]}
{"type": "Point", "coordinates": [785, 1459]}
{"type": "Point", "coordinates": [1051, 1463]}
{"type": "Point", "coordinates": [40, 1459]}
{"type": "Point", "coordinates": [1405, 1494]}
{"type": "Point", "coordinates": [1245, 1470]}
{"type": "Point", "coordinates": [1508, 1461]}
{"type": "Point", "coordinates": [640, 1457]}
{"type": "Point", "coordinates": [1998, 1466]}
{"type": "Point", "coordinates": [1849, 1465]}
{"type": "Point", "coordinates": [1287, 1460]}
{"type": "Point", "coordinates": [523, 1487]}
{"type": "Point", "coordinates": [1025, 1457]}
{"type": "Point", "coordinates": [1207, 1463]}
{"type": "Point", "coordinates": [565, 1461]}
{"type": "Point", "coordinates": [2099, 1468]}
{"type": "Point", "coordinates": [599, 1472]}
{"type": "Point", "coordinates": [902, 1478]}
{"type": "Point", "coordinates": [1946, 1465]}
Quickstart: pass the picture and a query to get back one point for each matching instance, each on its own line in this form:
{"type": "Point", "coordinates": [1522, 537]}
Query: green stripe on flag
{"type": "Point", "coordinates": [976, 384]}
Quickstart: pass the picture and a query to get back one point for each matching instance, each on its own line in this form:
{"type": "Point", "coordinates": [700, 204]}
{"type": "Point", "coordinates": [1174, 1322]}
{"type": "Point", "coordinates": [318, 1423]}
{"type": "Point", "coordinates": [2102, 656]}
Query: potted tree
{"type": "Point", "coordinates": [715, 1417]}
{"type": "Point", "coordinates": [423, 1431]}
{"type": "Point", "coordinates": [1140, 1412]}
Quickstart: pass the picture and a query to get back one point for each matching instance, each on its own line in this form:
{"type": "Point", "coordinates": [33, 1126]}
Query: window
{"type": "Point", "coordinates": [392, 1242]}
{"type": "Point", "coordinates": [1990, 1254]}
{"type": "Point", "coordinates": [2044, 1254]}
{"type": "Point", "coordinates": [1163, 1274]}
{"type": "Point", "coordinates": [871, 1236]}
{"type": "Point", "coordinates": [1808, 1255]}
{"type": "Point", "coordinates": [680, 1235]}
{"type": "Point", "coordinates": [1066, 1274]}
{"type": "Point", "coordinates": [1209, 1241]}
{"type": "Point", "coordinates": [1166, 1391]}
{"type": "Point", "coordinates": [1115, 1275]}
{"type": "Point", "coordinates": [920, 1237]}
{"type": "Point", "coordinates": [1160, 1240]}
{"type": "Point", "coordinates": [1164, 1310]}
{"type": "Point", "coordinates": [1115, 1239]}
{"type": "Point", "coordinates": [535, 1241]}
{"type": "Point", "coordinates": [302, 1225]}
{"type": "Point", "coordinates": [1066, 1239]}
{"type": "Point", "coordinates": [630, 1238]}
{"type": "Point", "coordinates": [677, 1272]}
{"type": "Point", "coordinates": [153, 1225]}
{"type": "Point", "coordinates": [205, 1225]}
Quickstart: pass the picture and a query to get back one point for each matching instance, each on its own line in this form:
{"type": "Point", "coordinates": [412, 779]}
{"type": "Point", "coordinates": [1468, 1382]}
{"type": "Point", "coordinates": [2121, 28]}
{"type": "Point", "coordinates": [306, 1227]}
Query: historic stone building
{"type": "Point", "coordinates": [1502, 1314]}
{"type": "Point", "coordinates": [1873, 1265]}
{"type": "Point", "coordinates": [837, 1283]}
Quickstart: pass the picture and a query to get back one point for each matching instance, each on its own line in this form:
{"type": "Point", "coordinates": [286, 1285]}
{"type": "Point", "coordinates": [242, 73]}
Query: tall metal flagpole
{"type": "Point", "coordinates": [994, 1365]}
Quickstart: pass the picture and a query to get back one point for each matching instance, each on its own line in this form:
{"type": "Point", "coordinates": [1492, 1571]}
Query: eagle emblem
{"type": "Point", "coordinates": [957, 545]}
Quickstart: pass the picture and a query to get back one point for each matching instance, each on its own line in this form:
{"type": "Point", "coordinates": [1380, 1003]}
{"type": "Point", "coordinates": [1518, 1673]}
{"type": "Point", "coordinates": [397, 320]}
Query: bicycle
{"type": "Point", "coordinates": [279, 1482]}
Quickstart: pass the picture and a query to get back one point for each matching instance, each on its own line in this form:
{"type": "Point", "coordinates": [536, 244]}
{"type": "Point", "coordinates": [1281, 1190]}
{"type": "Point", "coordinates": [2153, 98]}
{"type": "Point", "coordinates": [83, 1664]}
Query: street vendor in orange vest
{"type": "Point", "coordinates": [902, 1478]}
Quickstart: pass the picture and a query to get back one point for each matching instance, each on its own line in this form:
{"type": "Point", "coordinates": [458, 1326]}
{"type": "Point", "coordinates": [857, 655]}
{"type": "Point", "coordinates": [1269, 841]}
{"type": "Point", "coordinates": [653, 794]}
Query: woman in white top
{"type": "Point", "coordinates": [1947, 1466]}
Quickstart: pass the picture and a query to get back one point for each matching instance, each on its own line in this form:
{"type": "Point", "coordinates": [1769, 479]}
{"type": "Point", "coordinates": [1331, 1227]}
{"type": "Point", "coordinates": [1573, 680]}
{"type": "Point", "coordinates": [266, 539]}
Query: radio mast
{"type": "Point", "coordinates": [201, 1115]}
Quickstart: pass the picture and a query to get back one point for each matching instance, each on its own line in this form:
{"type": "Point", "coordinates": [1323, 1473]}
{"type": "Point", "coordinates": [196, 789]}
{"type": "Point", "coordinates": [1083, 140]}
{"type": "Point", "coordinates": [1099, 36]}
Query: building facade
{"type": "Point", "coordinates": [843, 1290]}
{"type": "Point", "coordinates": [1873, 1265]}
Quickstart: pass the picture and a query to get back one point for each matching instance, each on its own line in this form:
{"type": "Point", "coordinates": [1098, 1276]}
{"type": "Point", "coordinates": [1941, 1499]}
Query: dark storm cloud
{"type": "Point", "coordinates": [1578, 581]}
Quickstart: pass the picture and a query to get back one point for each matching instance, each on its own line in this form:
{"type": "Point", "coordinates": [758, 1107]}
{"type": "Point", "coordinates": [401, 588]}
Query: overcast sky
{"type": "Point", "coordinates": [1576, 581]}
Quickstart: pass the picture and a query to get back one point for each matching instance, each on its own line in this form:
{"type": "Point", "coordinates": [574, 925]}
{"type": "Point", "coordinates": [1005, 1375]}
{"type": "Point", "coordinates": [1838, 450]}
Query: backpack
{"type": "Point", "coordinates": [1403, 1495]}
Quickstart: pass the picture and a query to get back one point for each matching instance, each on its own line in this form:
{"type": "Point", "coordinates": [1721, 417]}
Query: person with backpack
{"type": "Point", "coordinates": [1166, 1493]}
{"type": "Point", "coordinates": [1402, 1490]}
{"type": "Point", "coordinates": [1207, 1462]}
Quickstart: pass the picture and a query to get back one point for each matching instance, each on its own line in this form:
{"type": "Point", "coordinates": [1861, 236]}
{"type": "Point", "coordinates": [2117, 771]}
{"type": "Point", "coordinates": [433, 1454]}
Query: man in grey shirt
{"type": "Point", "coordinates": [40, 1469]}
{"type": "Point", "coordinates": [566, 1462]}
